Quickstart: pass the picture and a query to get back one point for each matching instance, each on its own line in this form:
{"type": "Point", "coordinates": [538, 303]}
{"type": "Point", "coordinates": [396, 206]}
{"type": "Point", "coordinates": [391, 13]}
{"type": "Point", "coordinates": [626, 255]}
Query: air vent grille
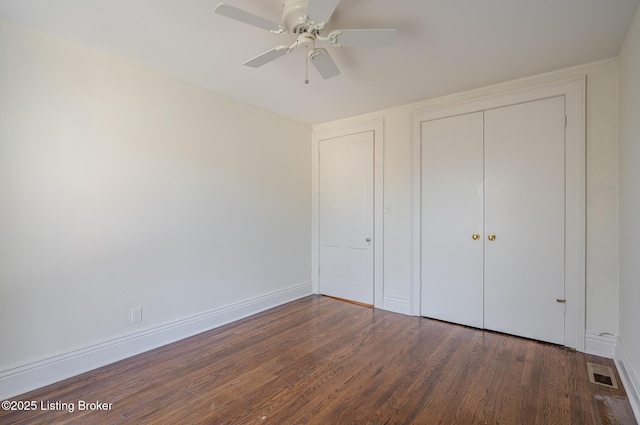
{"type": "Point", "coordinates": [602, 375]}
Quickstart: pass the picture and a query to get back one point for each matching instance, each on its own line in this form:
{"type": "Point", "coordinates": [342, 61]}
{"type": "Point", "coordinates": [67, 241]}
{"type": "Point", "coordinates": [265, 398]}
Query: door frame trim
{"type": "Point", "coordinates": [324, 132]}
{"type": "Point", "coordinates": [573, 89]}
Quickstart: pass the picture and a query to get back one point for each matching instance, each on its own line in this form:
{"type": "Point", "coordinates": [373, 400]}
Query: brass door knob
{"type": "Point", "coordinates": [475, 236]}
{"type": "Point", "coordinates": [491, 237]}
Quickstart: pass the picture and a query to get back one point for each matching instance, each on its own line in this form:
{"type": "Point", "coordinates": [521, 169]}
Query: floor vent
{"type": "Point", "coordinates": [602, 375]}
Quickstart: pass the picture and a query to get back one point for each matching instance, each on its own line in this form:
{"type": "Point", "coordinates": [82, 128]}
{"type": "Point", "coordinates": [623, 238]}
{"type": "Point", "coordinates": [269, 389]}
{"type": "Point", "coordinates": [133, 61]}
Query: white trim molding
{"type": "Point", "coordinates": [630, 377]}
{"type": "Point", "coordinates": [610, 346]}
{"type": "Point", "coordinates": [573, 89]}
{"type": "Point", "coordinates": [30, 376]}
{"type": "Point", "coordinates": [397, 305]}
{"type": "Point", "coordinates": [330, 131]}
{"type": "Point", "coordinates": [600, 344]}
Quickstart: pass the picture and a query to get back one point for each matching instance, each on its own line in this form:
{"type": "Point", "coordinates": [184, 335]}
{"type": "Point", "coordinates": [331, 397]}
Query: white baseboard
{"type": "Point", "coordinates": [30, 376]}
{"type": "Point", "coordinates": [630, 377]}
{"type": "Point", "coordinates": [396, 305]}
{"type": "Point", "coordinates": [600, 345]}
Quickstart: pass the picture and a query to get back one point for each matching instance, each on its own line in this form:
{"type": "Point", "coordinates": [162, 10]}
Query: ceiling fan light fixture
{"type": "Point", "coordinates": [306, 40]}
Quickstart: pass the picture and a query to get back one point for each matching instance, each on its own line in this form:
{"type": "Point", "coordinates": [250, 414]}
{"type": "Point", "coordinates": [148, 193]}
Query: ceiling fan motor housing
{"type": "Point", "coordinates": [293, 14]}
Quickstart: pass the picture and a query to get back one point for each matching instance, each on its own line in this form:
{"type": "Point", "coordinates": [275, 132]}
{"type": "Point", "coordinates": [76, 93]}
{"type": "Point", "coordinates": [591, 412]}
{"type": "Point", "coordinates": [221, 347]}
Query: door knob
{"type": "Point", "coordinates": [475, 236]}
{"type": "Point", "coordinates": [368, 240]}
{"type": "Point", "coordinates": [491, 237]}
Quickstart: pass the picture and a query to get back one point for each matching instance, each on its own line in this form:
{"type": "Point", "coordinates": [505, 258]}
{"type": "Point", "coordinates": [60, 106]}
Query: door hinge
{"type": "Point", "coordinates": [562, 301]}
{"type": "Point", "coordinates": [565, 120]}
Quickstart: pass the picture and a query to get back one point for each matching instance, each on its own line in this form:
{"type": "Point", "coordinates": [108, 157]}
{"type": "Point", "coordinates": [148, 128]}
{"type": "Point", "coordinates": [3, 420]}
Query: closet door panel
{"type": "Point", "coordinates": [451, 213]}
{"type": "Point", "coordinates": [524, 209]}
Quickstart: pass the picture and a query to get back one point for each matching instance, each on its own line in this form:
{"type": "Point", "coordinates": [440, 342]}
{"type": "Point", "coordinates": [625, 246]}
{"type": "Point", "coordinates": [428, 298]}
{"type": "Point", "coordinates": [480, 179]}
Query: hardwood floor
{"type": "Point", "coordinates": [322, 361]}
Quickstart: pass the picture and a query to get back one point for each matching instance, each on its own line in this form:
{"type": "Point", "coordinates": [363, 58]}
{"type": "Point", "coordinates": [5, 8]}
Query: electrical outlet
{"type": "Point", "coordinates": [136, 315]}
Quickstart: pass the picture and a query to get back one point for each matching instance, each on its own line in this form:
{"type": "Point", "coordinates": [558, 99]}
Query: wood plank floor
{"type": "Point", "coordinates": [322, 361]}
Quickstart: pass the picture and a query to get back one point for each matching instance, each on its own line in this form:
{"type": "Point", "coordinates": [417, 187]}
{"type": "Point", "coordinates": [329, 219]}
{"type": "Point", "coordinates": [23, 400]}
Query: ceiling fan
{"type": "Point", "coordinates": [306, 19]}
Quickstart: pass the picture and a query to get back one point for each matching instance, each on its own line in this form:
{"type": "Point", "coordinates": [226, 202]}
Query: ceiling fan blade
{"type": "Point", "coordinates": [321, 10]}
{"type": "Point", "coordinates": [363, 38]}
{"type": "Point", "coordinates": [323, 62]}
{"type": "Point", "coordinates": [248, 18]}
{"type": "Point", "coordinates": [268, 56]}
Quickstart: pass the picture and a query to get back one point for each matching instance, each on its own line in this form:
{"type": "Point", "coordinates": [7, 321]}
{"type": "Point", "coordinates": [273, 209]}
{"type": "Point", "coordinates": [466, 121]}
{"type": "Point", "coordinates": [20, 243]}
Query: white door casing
{"type": "Point", "coordinates": [573, 89]}
{"type": "Point", "coordinates": [522, 150]}
{"type": "Point", "coordinates": [524, 209]}
{"type": "Point", "coordinates": [329, 131]}
{"type": "Point", "coordinates": [452, 169]}
{"type": "Point", "coordinates": [345, 217]}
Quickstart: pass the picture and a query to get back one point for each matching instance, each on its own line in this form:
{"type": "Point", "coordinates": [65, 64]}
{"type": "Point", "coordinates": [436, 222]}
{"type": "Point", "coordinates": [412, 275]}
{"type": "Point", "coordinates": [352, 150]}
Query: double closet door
{"type": "Point", "coordinates": [493, 201]}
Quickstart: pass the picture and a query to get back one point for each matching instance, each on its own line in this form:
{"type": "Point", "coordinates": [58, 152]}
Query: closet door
{"type": "Point", "coordinates": [524, 209]}
{"type": "Point", "coordinates": [451, 216]}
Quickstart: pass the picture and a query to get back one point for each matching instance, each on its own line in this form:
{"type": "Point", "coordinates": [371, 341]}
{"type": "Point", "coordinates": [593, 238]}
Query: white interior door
{"type": "Point", "coordinates": [452, 171]}
{"type": "Point", "coordinates": [524, 209]}
{"type": "Point", "coordinates": [346, 217]}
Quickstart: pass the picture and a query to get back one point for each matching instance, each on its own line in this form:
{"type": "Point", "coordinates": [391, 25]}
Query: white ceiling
{"type": "Point", "coordinates": [443, 46]}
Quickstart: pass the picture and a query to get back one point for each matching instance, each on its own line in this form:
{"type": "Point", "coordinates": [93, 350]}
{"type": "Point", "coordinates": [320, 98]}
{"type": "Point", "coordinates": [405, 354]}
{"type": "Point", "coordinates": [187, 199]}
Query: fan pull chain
{"type": "Point", "coordinates": [306, 66]}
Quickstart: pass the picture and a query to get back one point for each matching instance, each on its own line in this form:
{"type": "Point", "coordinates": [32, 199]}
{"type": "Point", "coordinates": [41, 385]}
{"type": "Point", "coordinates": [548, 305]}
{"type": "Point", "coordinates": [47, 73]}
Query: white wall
{"type": "Point", "coordinates": [602, 192]}
{"type": "Point", "coordinates": [630, 205]}
{"type": "Point", "coordinates": [121, 187]}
